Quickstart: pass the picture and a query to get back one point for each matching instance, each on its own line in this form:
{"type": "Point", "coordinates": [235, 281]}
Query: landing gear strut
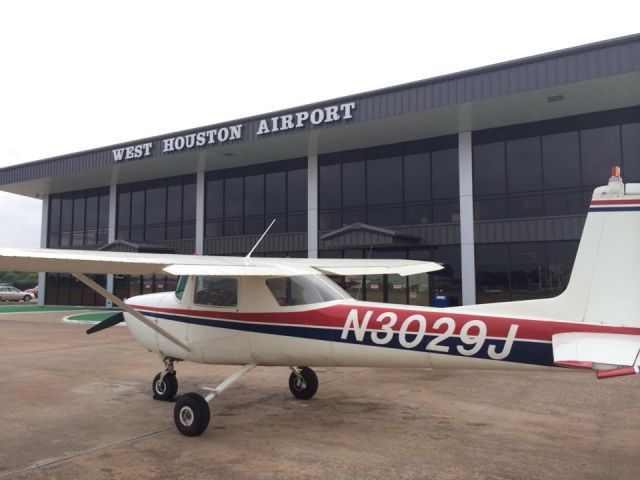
{"type": "Point", "coordinates": [192, 413]}
{"type": "Point", "coordinates": [303, 382]}
{"type": "Point", "coordinates": [165, 383]}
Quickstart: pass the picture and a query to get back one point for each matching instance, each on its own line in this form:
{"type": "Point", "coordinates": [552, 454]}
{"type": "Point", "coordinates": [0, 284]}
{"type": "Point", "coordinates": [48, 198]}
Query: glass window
{"type": "Point", "coordinates": [600, 151]}
{"type": "Point", "coordinates": [174, 211]}
{"type": "Point", "coordinates": [329, 188]}
{"type": "Point", "coordinates": [528, 265]}
{"type": "Point", "coordinates": [233, 197]}
{"type": "Point", "coordinates": [181, 285]}
{"type": "Point", "coordinates": [78, 219]}
{"type": "Point", "coordinates": [92, 219]}
{"type": "Point", "coordinates": [521, 206]}
{"type": "Point", "coordinates": [384, 183]}
{"type": "Point", "coordinates": [417, 178]}
{"type": "Point", "coordinates": [124, 214]}
{"type": "Point", "coordinates": [214, 207]}
{"type": "Point", "coordinates": [444, 168]}
{"type": "Point", "coordinates": [304, 290]}
{"type": "Point", "coordinates": [103, 218]}
{"type": "Point", "coordinates": [631, 152]}
{"type": "Point", "coordinates": [156, 210]}
{"type": "Point", "coordinates": [353, 184]}
{"type": "Point", "coordinates": [524, 165]}
{"type": "Point", "coordinates": [54, 221]}
{"type": "Point", "coordinates": [492, 273]}
{"type": "Point", "coordinates": [254, 195]}
{"type": "Point", "coordinates": [189, 208]}
{"type": "Point", "coordinates": [216, 291]}
{"type": "Point", "coordinates": [66, 218]}
{"type": "Point", "coordinates": [489, 169]}
{"type": "Point", "coordinates": [561, 160]}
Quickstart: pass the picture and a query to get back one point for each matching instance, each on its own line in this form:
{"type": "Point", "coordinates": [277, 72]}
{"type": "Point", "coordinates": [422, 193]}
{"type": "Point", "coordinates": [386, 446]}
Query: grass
{"type": "Point", "coordinates": [91, 317]}
{"type": "Point", "coordinates": [19, 308]}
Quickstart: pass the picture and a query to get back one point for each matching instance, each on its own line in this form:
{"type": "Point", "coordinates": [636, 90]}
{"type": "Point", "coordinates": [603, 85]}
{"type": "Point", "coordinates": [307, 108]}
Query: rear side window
{"type": "Point", "coordinates": [216, 291]}
{"type": "Point", "coordinates": [304, 290]}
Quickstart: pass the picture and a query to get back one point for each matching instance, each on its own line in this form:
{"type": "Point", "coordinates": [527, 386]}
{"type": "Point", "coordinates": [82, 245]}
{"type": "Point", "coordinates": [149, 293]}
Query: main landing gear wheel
{"type": "Point", "coordinates": [165, 388]}
{"type": "Point", "coordinates": [191, 414]}
{"type": "Point", "coordinates": [303, 383]}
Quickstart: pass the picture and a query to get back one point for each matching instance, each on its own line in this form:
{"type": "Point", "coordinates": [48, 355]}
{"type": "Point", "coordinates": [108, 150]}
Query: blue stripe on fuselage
{"type": "Point", "coordinates": [522, 351]}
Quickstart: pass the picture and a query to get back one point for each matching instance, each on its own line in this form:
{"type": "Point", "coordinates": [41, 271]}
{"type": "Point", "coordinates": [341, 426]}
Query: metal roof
{"type": "Point", "coordinates": [479, 98]}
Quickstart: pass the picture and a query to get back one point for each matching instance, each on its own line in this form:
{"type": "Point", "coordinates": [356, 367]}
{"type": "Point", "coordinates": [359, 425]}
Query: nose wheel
{"type": "Point", "coordinates": [303, 382]}
{"type": "Point", "coordinates": [165, 383]}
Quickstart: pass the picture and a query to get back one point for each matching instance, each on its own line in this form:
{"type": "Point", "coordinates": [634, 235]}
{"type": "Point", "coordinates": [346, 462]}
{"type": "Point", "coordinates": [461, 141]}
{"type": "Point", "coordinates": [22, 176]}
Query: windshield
{"type": "Point", "coordinates": [304, 289]}
{"type": "Point", "coordinates": [182, 284]}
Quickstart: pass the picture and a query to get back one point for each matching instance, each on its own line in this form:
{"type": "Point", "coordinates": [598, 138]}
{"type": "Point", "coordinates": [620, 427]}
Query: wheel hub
{"type": "Point", "coordinates": [300, 383]}
{"type": "Point", "coordinates": [161, 387]}
{"type": "Point", "coordinates": [186, 416]}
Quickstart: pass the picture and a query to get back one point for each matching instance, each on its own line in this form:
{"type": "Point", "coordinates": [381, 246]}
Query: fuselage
{"type": "Point", "coordinates": [347, 332]}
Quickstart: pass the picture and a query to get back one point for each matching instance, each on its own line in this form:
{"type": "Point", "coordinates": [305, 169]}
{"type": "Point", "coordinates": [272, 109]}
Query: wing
{"type": "Point", "coordinates": [99, 262]}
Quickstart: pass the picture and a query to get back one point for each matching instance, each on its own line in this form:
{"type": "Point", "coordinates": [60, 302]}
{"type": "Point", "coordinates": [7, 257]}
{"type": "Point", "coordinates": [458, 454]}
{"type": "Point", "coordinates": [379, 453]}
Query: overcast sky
{"type": "Point", "coordinates": [79, 75]}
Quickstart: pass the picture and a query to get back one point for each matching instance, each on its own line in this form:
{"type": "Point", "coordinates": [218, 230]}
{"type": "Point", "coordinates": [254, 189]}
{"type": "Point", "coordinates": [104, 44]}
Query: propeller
{"type": "Point", "coordinates": [106, 323]}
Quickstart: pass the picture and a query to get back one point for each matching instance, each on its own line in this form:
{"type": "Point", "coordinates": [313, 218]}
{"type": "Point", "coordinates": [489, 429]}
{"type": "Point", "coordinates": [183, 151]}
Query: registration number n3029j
{"type": "Point", "coordinates": [413, 329]}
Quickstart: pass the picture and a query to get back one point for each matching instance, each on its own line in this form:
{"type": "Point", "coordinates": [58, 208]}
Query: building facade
{"type": "Point", "coordinates": [488, 171]}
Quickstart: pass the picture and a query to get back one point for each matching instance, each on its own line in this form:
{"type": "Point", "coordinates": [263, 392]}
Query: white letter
{"type": "Point", "coordinates": [129, 154]}
{"type": "Point", "coordinates": [200, 140]}
{"type": "Point", "coordinates": [422, 326]}
{"type": "Point", "coordinates": [263, 128]}
{"type": "Point", "coordinates": [168, 145]}
{"type": "Point", "coordinates": [354, 323]}
{"type": "Point", "coordinates": [506, 350]}
{"type": "Point", "coordinates": [117, 154]}
{"type": "Point", "coordinates": [138, 150]}
{"type": "Point", "coordinates": [223, 134]}
{"type": "Point", "coordinates": [191, 140]}
{"type": "Point", "coordinates": [346, 108]}
{"type": "Point", "coordinates": [331, 114]}
{"type": "Point", "coordinates": [212, 135]}
{"type": "Point", "coordinates": [179, 143]}
{"type": "Point", "coordinates": [301, 117]}
{"type": "Point", "coordinates": [387, 328]}
{"type": "Point", "coordinates": [286, 122]}
{"type": "Point", "coordinates": [147, 148]}
{"type": "Point", "coordinates": [317, 116]}
{"type": "Point", "coordinates": [236, 132]}
{"type": "Point", "coordinates": [274, 124]}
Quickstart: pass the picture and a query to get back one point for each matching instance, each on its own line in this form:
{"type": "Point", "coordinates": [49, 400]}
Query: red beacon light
{"type": "Point", "coordinates": [616, 171]}
{"type": "Point", "coordinates": [616, 186]}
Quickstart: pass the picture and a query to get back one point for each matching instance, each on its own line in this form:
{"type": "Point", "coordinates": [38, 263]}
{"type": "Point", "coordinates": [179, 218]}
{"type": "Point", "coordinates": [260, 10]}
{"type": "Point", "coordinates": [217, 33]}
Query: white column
{"type": "Point", "coordinates": [44, 227]}
{"type": "Point", "coordinates": [111, 236]}
{"type": "Point", "coordinates": [312, 206]}
{"type": "Point", "coordinates": [200, 192]}
{"type": "Point", "coordinates": [467, 244]}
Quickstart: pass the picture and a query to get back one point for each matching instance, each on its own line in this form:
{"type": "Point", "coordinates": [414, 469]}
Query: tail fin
{"type": "Point", "coordinates": [605, 281]}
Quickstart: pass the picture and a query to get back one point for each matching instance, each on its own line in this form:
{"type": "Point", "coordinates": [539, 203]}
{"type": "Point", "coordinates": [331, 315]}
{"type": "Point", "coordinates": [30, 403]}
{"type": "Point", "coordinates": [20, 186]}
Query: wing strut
{"type": "Point", "coordinates": [110, 296]}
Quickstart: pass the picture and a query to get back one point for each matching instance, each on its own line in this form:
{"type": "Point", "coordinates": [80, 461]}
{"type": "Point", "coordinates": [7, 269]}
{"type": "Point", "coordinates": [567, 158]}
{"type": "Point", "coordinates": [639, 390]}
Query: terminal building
{"type": "Point", "coordinates": [488, 171]}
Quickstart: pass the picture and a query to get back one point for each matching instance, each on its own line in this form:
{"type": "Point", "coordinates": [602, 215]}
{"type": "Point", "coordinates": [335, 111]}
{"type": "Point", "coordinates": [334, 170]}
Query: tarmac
{"type": "Point", "coordinates": [74, 406]}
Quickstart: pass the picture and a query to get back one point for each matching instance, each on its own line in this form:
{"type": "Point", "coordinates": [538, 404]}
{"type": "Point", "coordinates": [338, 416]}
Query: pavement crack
{"type": "Point", "coordinates": [58, 460]}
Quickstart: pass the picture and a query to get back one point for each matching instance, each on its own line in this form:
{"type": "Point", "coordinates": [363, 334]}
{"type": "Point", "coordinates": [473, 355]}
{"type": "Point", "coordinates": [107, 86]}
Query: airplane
{"type": "Point", "coordinates": [248, 311]}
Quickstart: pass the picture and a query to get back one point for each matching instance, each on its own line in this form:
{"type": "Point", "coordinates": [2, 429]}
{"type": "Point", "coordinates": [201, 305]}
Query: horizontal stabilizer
{"type": "Point", "coordinates": [578, 349]}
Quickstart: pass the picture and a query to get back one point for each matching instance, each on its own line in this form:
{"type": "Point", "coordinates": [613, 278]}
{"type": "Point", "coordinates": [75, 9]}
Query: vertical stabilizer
{"type": "Point", "coordinates": [604, 282]}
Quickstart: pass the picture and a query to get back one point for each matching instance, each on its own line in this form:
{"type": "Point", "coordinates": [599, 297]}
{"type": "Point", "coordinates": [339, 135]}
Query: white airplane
{"type": "Point", "coordinates": [286, 312]}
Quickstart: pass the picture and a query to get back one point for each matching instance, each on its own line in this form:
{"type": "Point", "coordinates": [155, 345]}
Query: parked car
{"type": "Point", "coordinates": [12, 293]}
{"type": "Point", "coordinates": [33, 291]}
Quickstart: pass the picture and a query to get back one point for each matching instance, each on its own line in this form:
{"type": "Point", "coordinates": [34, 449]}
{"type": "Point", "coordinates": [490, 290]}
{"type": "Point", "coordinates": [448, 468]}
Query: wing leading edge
{"type": "Point", "coordinates": [99, 262]}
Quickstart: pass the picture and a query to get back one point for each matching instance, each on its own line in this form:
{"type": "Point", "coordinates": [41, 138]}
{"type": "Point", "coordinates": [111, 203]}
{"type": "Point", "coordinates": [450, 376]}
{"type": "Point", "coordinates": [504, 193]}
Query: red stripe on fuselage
{"type": "Point", "coordinates": [335, 316]}
{"type": "Point", "coordinates": [615, 202]}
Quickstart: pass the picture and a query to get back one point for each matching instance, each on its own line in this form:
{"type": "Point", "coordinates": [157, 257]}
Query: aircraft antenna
{"type": "Point", "coordinates": [260, 239]}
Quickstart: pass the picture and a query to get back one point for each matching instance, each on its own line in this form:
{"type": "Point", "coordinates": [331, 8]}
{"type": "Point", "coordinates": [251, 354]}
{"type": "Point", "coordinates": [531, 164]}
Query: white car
{"type": "Point", "coordinates": [12, 293]}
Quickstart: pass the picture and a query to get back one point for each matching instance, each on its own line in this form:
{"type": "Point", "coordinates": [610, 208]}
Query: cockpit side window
{"type": "Point", "coordinates": [182, 284]}
{"type": "Point", "coordinates": [216, 291]}
{"type": "Point", "coordinates": [304, 290]}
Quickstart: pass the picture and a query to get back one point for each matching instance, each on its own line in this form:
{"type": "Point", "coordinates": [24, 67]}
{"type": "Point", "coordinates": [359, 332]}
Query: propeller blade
{"type": "Point", "coordinates": [109, 322]}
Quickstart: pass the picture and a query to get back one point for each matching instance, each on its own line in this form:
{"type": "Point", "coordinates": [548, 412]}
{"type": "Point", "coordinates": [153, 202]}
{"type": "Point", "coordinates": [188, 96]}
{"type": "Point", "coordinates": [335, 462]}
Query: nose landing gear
{"type": "Point", "coordinates": [165, 383]}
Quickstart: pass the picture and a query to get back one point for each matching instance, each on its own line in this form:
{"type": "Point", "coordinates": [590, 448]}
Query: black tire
{"type": "Point", "coordinates": [191, 414]}
{"type": "Point", "coordinates": [166, 389]}
{"type": "Point", "coordinates": [306, 387]}
{"type": "Point", "coordinates": [26, 298]}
